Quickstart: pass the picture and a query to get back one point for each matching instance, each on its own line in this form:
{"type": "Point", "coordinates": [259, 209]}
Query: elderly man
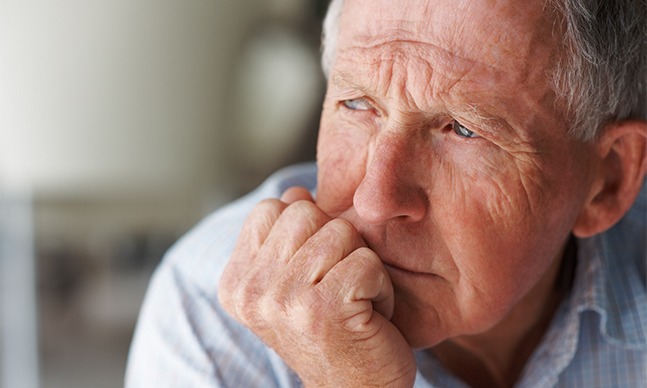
{"type": "Point", "coordinates": [475, 220]}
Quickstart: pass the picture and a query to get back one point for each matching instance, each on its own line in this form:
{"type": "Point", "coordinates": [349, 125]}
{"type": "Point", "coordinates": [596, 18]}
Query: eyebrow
{"type": "Point", "coordinates": [472, 112]}
{"type": "Point", "coordinates": [496, 126]}
{"type": "Point", "coordinates": [339, 78]}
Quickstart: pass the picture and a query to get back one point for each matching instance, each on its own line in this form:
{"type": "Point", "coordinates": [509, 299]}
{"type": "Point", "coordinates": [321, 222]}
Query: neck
{"type": "Point", "coordinates": [496, 358]}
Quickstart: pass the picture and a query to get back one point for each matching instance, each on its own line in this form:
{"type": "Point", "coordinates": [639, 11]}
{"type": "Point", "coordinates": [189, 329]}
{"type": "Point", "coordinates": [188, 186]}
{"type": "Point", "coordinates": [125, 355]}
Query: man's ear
{"type": "Point", "coordinates": [619, 173]}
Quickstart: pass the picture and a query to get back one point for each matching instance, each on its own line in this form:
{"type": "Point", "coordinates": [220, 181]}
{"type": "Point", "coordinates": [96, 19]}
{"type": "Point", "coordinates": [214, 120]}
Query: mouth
{"type": "Point", "coordinates": [396, 269]}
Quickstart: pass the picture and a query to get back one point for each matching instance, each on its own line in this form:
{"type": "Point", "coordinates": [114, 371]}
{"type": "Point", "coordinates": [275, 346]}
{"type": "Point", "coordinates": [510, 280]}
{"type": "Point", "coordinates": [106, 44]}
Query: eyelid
{"type": "Point", "coordinates": [473, 134]}
{"type": "Point", "coordinates": [358, 104]}
{"type": "Point", "coordinates": [488, 126]}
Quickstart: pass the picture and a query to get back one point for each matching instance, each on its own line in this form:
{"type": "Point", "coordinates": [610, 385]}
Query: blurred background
{"type": "Point", "coordinates": [122, 123]}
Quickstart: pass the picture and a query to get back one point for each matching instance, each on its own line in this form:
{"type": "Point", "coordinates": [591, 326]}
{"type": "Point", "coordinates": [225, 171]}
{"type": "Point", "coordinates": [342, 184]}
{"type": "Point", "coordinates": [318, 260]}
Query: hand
{"type": "Point", "coordinates": [309, 287]}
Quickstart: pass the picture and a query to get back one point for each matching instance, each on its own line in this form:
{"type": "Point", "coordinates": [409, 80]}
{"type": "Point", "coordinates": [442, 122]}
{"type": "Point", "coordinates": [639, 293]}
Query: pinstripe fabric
{"type": "Point", "coordinates": [184, 339]}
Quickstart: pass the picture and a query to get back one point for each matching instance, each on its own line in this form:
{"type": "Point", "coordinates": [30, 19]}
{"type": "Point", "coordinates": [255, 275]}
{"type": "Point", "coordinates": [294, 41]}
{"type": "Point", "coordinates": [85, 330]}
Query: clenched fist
{"type": "Point", "coordinates": [309, 287]}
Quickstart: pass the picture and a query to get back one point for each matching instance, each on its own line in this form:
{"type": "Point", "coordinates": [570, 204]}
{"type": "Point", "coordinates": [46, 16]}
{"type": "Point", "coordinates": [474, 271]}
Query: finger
{"type": "Point", "coordinates": [239, 270]}
{"type": "Point", "coordinates": [257, 227]}
{"type": "Point", "coordinates": [362, 286]}
{"type": "Point", "coordinates": [332, 243]}
{"type": "Point", "coordinates": [296, 193]}
{"type": "Point", "coordinates": [298, 222]}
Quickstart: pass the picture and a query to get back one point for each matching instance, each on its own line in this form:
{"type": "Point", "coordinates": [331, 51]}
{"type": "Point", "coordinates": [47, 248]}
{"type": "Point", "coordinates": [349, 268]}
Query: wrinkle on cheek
{"type": "Point", "coordinates": [504, 207]}
{"type": "Point", "coordinates": [543, 172]}
{"type": "Point", "coordinates": [472, 292]}
{"type": "Point", "coordinates": [532, 186]}
{"type": "Point", "coordinates": [498, 206]}
{"type": "Point", "coordinates": [509, 184]}
{"type": "Point", "coordinates": [515, 191]}
{"type": "Point", "coordinates": [493, 218]}
{"type": "Point", "coordinates": [480, 280]}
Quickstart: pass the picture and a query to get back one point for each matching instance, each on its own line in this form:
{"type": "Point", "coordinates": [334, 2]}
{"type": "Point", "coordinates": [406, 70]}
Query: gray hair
{"type": "Point", "coordinates": [603, 68]}
{"type": "Point", "coordinates": [329, 35]}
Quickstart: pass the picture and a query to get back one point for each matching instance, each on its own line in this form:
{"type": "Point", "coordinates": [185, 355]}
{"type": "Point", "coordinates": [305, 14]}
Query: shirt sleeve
{"type": "Point", "coordinates": [183, 336]}
{"type": "Point", "coordinates": [184, 339]}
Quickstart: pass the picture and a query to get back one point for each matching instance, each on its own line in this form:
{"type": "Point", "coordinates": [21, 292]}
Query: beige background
{"type": "Point", "coordinates": [122, 123]}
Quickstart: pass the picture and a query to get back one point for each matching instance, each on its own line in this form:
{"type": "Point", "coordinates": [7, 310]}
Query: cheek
{"type": "Point", "coordinates": [341, 161]}
{"type": "Point", "coordinates": [502, 237]}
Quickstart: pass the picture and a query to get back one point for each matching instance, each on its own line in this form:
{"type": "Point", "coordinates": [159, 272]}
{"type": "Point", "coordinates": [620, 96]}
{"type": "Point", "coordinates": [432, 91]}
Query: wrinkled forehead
{"type": "Point", "coordinates": [490, 32]}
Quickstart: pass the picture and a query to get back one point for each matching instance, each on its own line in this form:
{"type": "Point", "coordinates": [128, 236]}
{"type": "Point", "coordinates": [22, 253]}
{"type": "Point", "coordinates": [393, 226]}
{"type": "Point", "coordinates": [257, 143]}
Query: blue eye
{"type": "Point", "coordinates": [462, 131]}
{"type": "Point", "coordinates": [357, 104]}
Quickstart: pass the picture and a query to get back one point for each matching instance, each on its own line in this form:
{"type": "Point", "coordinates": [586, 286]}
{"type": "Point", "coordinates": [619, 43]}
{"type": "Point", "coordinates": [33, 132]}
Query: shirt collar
{"type": "Point", "coordinates": [610, 280]}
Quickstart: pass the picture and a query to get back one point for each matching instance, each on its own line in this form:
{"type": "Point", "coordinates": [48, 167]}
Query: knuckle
{"type": "Point", "coordinates": [250, 303]}
{"type": "Point", "coordinates": [268, 209]}
{"type": "Point", "coordinates": [227, 289]}
{"type": "Point", "coordinates": [239, 296]}
{"type": "Point", "coordinates": [269, 203]}
{"type": "Point", "coordinates": [342, 229]}
{"type": "Point", "coordinates": [310, 312]}
{"type": "Point", "coordinates": [367, 257]}
{"type": "Point", "coordinates": [308, 212]}
{"type": "Point", "coordinates": [224, 294]}
{"type": "Point", "coordinates": [224, 298]}
{"type": "Point", "coordinates": [256, 228]}
{"type": "Point", "coordinates": [367, 262]}
{"type": "Point", "coordinates": [340, 237]}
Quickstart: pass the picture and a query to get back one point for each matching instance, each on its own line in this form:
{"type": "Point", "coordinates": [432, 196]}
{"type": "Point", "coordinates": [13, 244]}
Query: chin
{"type": "Point", "coordinates": [420, 336]}
{"type": "Point", "coordinates": [421, 329]}
{"type": "Point", "coordinates": [424, 325]}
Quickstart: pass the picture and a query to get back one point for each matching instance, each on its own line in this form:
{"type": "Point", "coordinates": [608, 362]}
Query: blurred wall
{"type": "Point", "coordinates": [110, 83]}
{"type": "Point", "coordinates": [126, 121]}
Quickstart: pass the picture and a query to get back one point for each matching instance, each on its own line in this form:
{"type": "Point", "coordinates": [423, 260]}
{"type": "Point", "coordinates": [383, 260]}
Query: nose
{"type": "Point", "coordinates": [390, 189]}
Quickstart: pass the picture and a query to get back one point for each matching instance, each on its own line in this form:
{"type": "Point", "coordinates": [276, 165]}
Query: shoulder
{"type": "Point", "coordinates": [202, 253]}
{"type": "Point", "coordinates": [620, 288]}
{"type": "Point", "coordinates": [624, 247]}
{"type": "Point", "coordinates": [598, 337]}
{"type": "Point", "coordinates": [183, 336]}
{"type": "Point", "coordinates": [613, 305]}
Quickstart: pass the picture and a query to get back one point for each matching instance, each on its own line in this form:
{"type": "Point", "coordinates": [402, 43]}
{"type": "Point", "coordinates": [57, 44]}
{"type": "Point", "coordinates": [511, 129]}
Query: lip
{"type": "Point", "coordinates": [406, 271]}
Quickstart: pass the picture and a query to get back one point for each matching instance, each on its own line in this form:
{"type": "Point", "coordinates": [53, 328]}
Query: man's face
{"type": "Point", "coordinates": [441, 142]}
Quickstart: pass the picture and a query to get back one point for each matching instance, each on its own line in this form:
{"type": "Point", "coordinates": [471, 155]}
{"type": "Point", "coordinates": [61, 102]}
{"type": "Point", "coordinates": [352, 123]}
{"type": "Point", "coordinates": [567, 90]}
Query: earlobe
{"type": "Point", "coordinates": [619, 175]}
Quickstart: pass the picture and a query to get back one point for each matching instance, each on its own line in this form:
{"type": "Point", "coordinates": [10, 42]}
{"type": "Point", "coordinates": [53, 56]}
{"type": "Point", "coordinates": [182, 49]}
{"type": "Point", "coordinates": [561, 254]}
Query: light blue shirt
{"type": "Point", "coordinates": [184, 338]}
